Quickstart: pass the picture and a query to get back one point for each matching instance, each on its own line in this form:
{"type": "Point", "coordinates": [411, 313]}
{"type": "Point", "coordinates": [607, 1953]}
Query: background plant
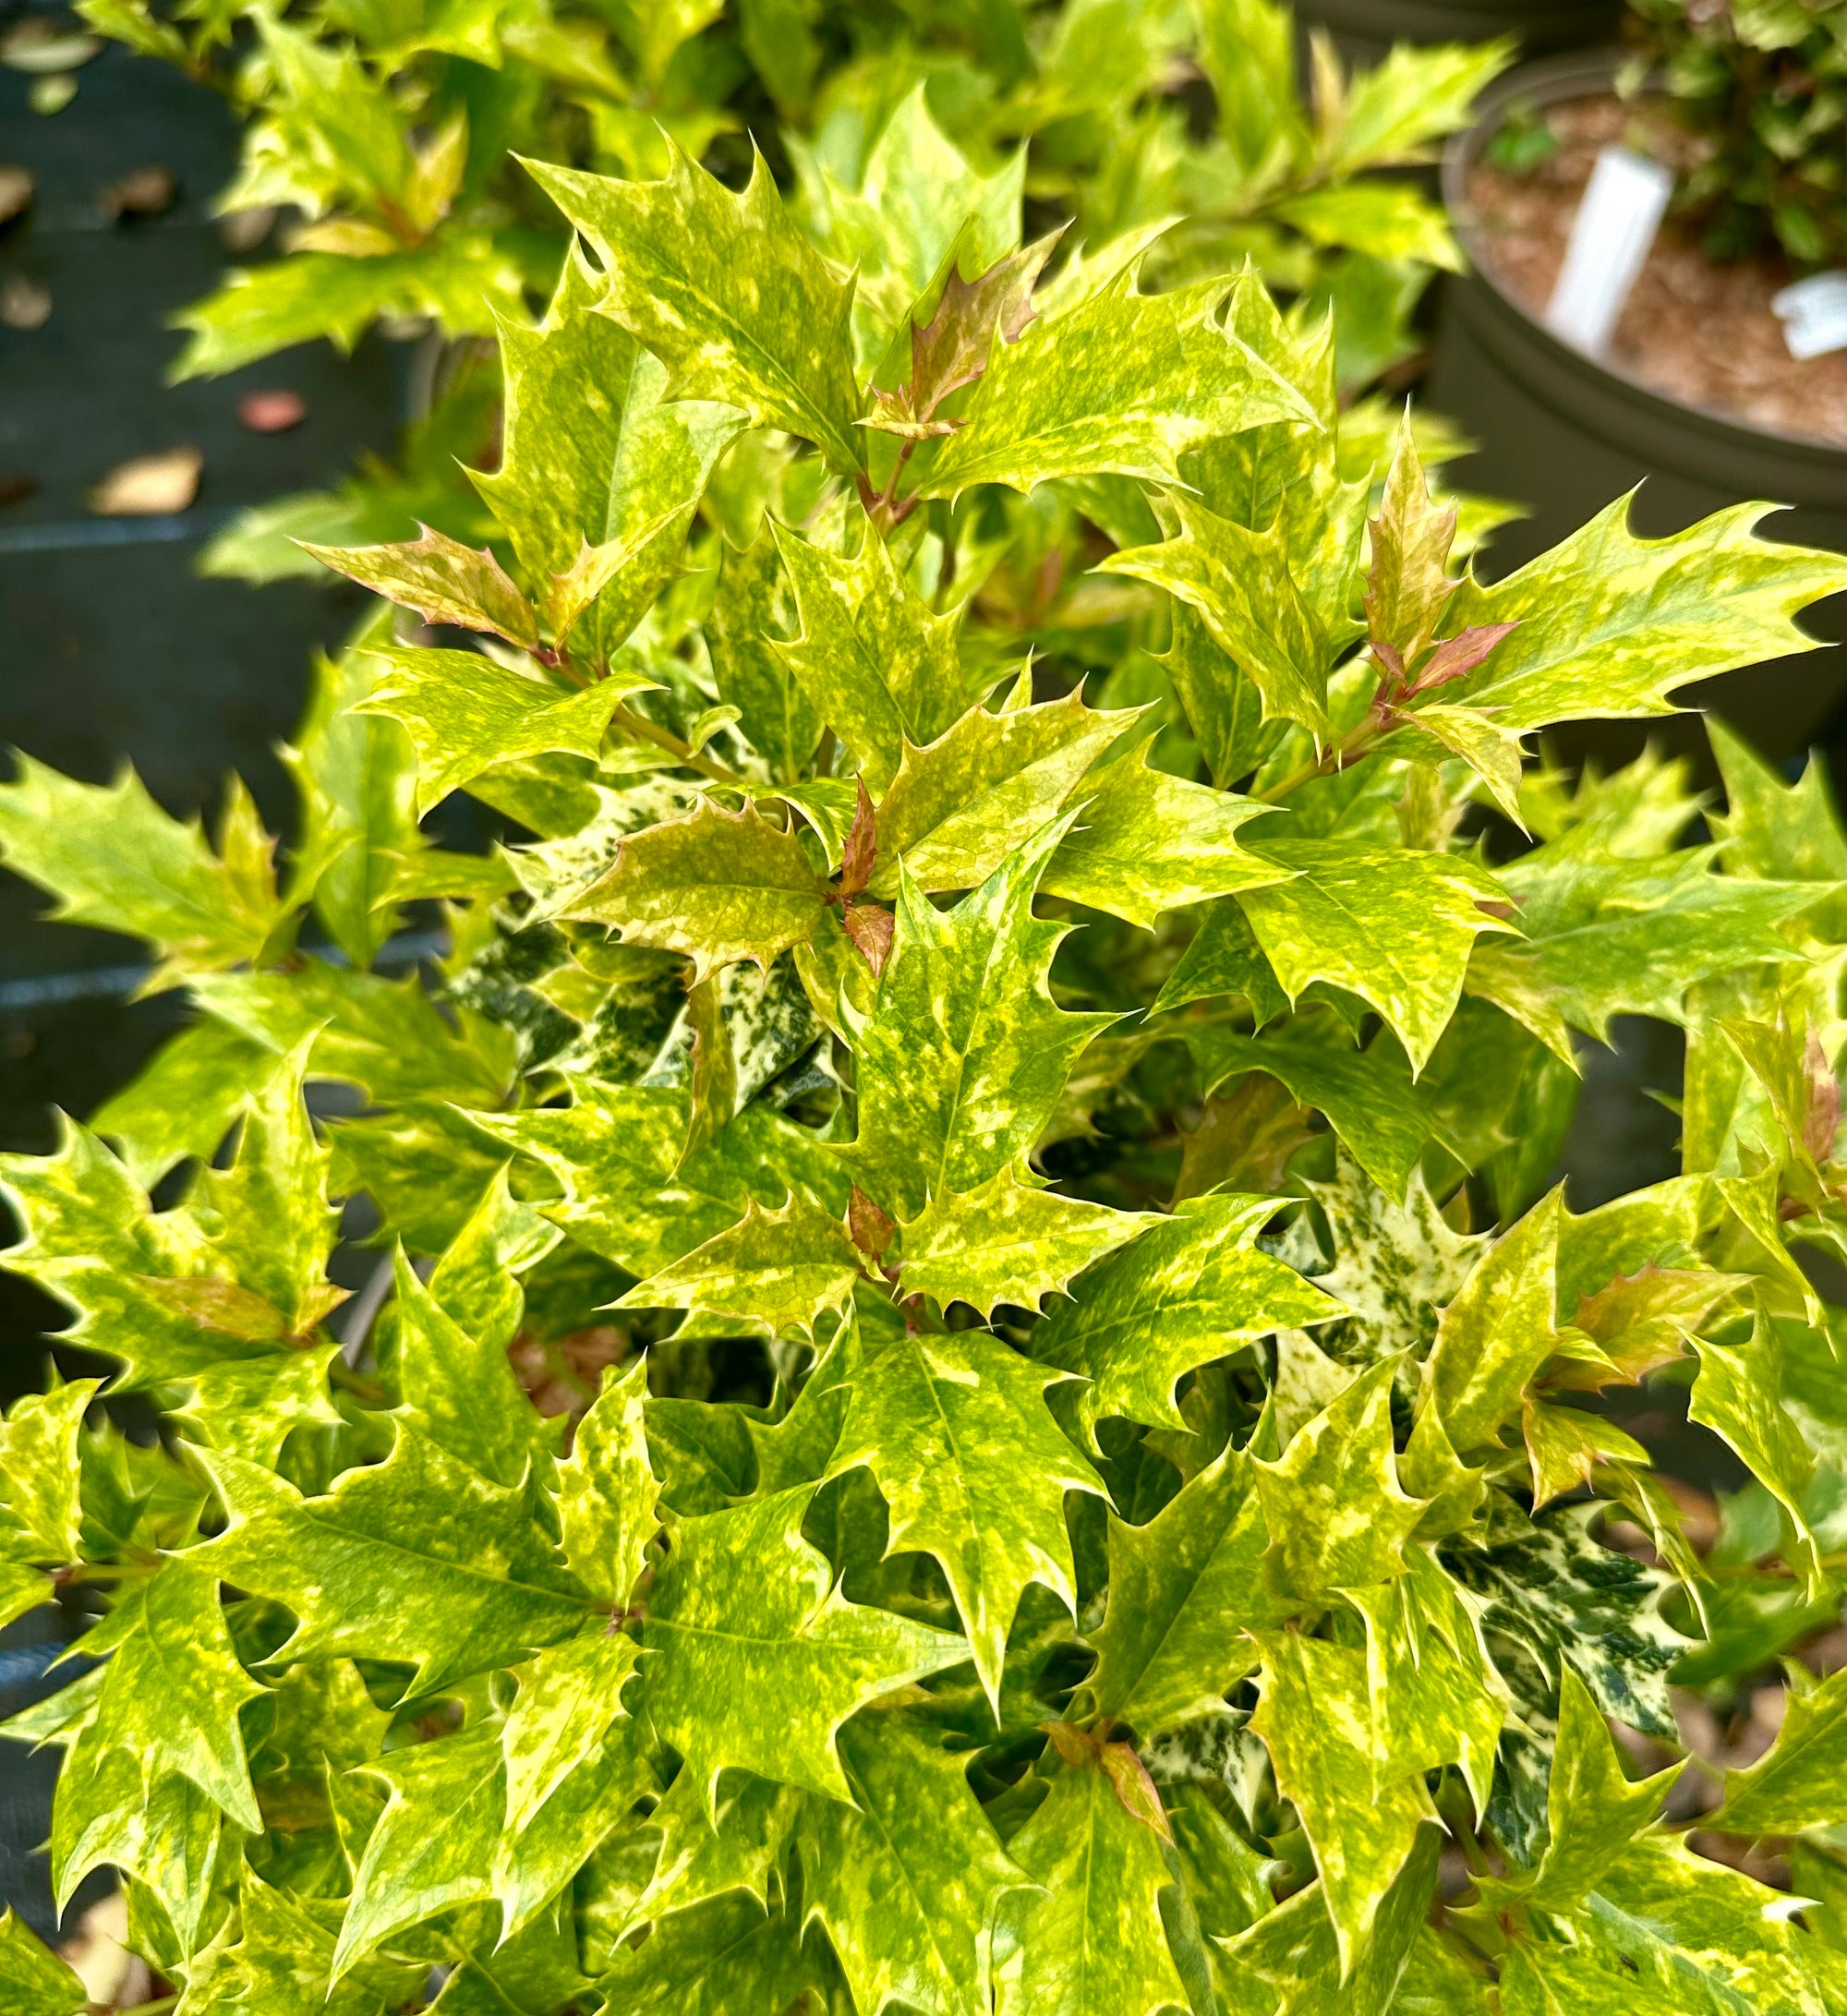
{"type": "Point", "coordinates": [390, 138]}
{"type": "Point", "coordinates": [1763, 86]}
{"type": "Point", "coordinates": [1063, 1471]}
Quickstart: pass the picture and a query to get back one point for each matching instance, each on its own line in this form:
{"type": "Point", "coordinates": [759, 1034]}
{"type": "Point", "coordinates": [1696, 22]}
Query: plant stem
{"type": "Point", "coordinates": [1353, 745]}
{"type": "Point", "coordinates": [643, 730]}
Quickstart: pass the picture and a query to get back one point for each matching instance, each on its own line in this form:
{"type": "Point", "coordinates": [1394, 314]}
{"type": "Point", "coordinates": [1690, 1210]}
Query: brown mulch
{"type": "Point", "coordinates": [1695, 331]}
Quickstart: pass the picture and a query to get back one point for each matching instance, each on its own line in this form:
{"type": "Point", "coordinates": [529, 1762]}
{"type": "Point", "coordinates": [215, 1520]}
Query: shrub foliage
{"type": "Point", "coordinates": [1067, 1464]}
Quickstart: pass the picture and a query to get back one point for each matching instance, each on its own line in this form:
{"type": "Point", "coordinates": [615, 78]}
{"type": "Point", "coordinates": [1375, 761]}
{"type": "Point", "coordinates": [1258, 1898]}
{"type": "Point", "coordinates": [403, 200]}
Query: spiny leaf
{"type": "Point", "coordinates": [443, 580]}
{"type": "Point", "coordinates": [1315, 1715]}
{"type": "Point", "coordinates": [464, 713]}
{"type": "Point", "coordinates": [1144, 843]}
{"type": "Point", "coordinates": [784, 1269]}
{"type": "Point", "coordinates": [909, 1879]}
{"type": "Point", "coordinates": [963, 1056]}
{"type": "Point", "coordinates": [1007, 1242]}
{"type": "Point", "coordinates": [1395, 927]}
{"type": "Point", "coordinates": [606, 1490]}
{"type": "Point", "coordinates": [955, 809]}
{"type": "Point", "coordinates": [1796, 1783]}
{"type": "Point", "coordinates": [1193, 1288]}
{"type": "Point", "coordinates": [417, 1558]}
{"type": "Point", "coordinates": [1332, 1500]}
{"type": "Point", "coordinates": [112, 857]}
{"type": "Point", "coordinates": [1123, 382]}
{"type": "Point", "coordinates": [719, 886]}
{"type": "Point", "coordinates": [1095, 1943]}
{"type": "Point", "coordinates": [1611, 625]}
{"type": "Point", "coordinates": [754, 1659]}
{"type": "Point", "coordinates": [954, 1429]}
{"type": "Point", "coordinates": [726, 292]}
{"type": "Point", "coordinates": [873, 660]}
{"type": "Point", "coordinates": [1185, 1590]}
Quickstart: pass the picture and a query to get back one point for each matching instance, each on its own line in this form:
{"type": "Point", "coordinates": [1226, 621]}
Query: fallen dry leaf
{"type": "Point", "coordinates": [142, 192]}
{"type": "Point", "coordinates": [16, 485]}
{"type": "Point", "coordinates": [149, 485]}
{"type": "Point", "coordinates": [15, 191]}
{"type": "Point", "coordinates": [245, 230]}
{"type": "Point", "coordinates": [272, 411]}
{"type": "Point", "coordinates": [42, 48]}
{"type": "Point", "coordinates": [24, 303]}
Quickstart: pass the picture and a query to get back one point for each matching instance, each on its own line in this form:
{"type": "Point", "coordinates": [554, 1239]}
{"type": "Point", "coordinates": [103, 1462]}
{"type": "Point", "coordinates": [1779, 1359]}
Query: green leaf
{"type": "Point", "coordinates": [1562, 1598]}
{"type": "Point", "coordinates": [1739, 1395]}
{"type": "Point", "coordinates": [442, 581]}
{"type": "Point", "coordinates": [784, 1269]}
{"type": "Point", "coordinates": [1185, 1590]}
{"type": "Point", "coordinates": [1796, 1783]}
{"type": "Point", "coordinates": [1316, 1717]}
{"type": "Point", "coordinates": [1367, 1095]}
{"type": "Point", "coordinates": [1779, 832]}
{"type": "Point", "coordinates": [1240, 583]}
{"type": "Point", "coordinates": [963, 1056]}
{"type": "Point", "coordinates": [39, 1474]}
{"type": "Point", "coordinates": [1611, 625]}
{"type": "Point", "coordinates": [464, 713]}
{"type": "Point", "coordinates": [432, 1843]}
{"type": "Point", "coordinates": [113, 859]}
{"type": "Point", "coordinates": [357, 781]}
{"type": "Point", "coordinates": [1436, 1696]}
{"type": "Point", "coordinates": [1293, 1951]}
{"type": "Point", "coordinates": [724, 1955]}
{"type": "Point", "coordinates": [955, 809]}
{"type": "Point", "coordinates": [182, 1104]}
{"type": "Point", "coordinates": [1193, 1288]}
{"type": "Point", "coordinates": [1498, 1331]}
{"type": "Point", "coordinates": [37, 1983]}
{"type": "Point", "coordinates": [616, 1154]}
{"type": "Point", "coordinates": [954, 1429]}
{"type": "Point", "coordinates": [594, 458]}
{"type": "Point", "coordinates": [1122, 381]}
{"type": "Point", "coordinates": [1594, 1811]}
{"type": "Point", "coordinates": [1224, 957]}
{"type": "Point", "coordinates": [607, 1491]}
{"type": "Point", "coordinates": [753, 611]}
{"type": "Point", "coordinates": [461, 278]}
{"type": "Point", "coordinates": [417, 1558]}
{"type": "Point", "coordinates": [386, 1037]}
{"type": "Point", "coordinates": [754, 1659]}
{"type": "Point", "coordinates": [1007, 1242]}
{"type": "Point", "coordinates": [1095, 1944]}
{"type": "Point", "coordinates": [460, 1393]}
{"type": "Point", "coordinates": [873, 660]}
{"type": "Point", "coordinates": [1144, 843]}
{"type": "Point", "coordinates": [726, 292]}
{"type": "Point", "coordinates": [1332, 1502]}
{"type": "Point", "coordinates": [1669, 1934]}
{"type": "Point", "coordinates": [719, 886]}
{"type": "Point", "coordinates": [569, 1695]}
{"type": "Point", "coordinates": [1395, 927]}
{"type": "Point", "coordinates": [172, 1688]}
{"type": "Point", "coordinates": [1606, 936]}
{"type": "Point", "coordinates": [908, 1880]}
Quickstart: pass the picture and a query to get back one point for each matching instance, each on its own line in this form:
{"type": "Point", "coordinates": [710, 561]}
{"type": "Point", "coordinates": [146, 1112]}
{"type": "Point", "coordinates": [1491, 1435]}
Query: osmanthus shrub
{"type": "Point", "coordinates": [1068, 1475]}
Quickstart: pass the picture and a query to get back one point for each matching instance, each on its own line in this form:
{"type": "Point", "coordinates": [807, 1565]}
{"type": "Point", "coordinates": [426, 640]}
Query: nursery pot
{"type": "Point", "coordinates": [1563, 433]}
{"type": "Point", "coordinates": [1367, 28]}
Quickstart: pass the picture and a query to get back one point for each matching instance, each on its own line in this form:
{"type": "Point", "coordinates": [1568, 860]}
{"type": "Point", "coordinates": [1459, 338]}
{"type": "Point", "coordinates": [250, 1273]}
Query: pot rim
{"type": "Point", "coordinates": [1552, 81]}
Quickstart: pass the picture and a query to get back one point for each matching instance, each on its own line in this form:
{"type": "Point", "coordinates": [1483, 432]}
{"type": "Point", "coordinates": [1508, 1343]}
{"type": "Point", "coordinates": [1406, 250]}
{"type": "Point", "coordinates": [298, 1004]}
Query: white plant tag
{"type": "Point", "coordinates": [1814, 315]}
{"type": "Point", "coordinates": [1609, 239]}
